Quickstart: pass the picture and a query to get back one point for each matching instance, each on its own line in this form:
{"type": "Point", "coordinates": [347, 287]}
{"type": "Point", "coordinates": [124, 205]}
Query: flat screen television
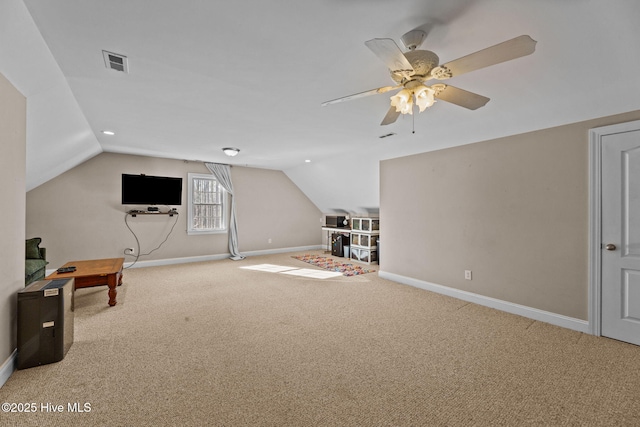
{"type": "Point", "coordinates": [151, 190]}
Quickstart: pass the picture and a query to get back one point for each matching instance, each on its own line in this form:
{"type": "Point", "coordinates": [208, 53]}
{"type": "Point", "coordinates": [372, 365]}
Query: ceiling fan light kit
{"type": "Point", "coordinates": [423, 96]}
{"type": "Point", "coordinates": [403, 101]}
{"type": "Point", "coordinates": [412, 69]}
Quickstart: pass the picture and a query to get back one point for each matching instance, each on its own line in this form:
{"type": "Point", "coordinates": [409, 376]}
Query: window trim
{"type": "Point", "coordinates": [225, 205]}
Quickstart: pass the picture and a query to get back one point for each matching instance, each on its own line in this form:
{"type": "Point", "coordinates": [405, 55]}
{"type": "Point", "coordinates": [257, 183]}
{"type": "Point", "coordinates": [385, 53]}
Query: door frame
{"type": "Point", "coordinates": [595, 218]}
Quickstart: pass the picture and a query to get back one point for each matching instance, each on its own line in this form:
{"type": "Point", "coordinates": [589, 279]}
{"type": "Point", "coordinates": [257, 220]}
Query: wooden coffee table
{"type": "Point", "coordinates": [95, 272]}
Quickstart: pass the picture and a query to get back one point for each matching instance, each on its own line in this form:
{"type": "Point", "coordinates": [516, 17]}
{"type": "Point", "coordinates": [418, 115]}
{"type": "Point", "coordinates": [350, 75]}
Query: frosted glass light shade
{"type": "Point", "coordinates": [403, 101]}
{"type": "Point", "coordinates": [424, 97]}
{"type": "Point", "coordinates": [230, 151]}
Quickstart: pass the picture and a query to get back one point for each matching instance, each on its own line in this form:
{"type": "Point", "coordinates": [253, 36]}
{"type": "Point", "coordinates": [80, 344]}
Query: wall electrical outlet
{"type": "Point", "coordinates": [268, 240]}
{"type": "Point", "coordinates": [130, 251]}
{"type": "Point", "coordinates": [467, 274]}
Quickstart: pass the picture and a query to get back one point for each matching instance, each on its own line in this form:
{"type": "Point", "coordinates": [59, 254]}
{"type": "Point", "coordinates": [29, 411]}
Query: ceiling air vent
{"type": "Point", "coordinates": [386, 136]}
{"type": "Point", "coordinates": [115, 61]}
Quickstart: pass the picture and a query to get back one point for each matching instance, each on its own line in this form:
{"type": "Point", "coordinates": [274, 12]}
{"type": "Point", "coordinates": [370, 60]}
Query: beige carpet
{"type": "Point", "coordinates": [214, 344]}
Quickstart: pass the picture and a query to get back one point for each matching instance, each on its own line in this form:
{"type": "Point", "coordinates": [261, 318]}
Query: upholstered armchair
{"type": "Point", "coordinates": [35, 262]}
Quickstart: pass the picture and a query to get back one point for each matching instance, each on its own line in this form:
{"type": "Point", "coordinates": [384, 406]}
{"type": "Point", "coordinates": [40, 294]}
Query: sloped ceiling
{"type": "Point", "coordinates": [252, 74]}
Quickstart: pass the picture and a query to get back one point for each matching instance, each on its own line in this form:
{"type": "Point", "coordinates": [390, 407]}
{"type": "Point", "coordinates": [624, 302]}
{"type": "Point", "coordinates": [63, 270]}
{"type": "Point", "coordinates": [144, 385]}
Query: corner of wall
{"type": "Point", "coordinates": [12, 228]}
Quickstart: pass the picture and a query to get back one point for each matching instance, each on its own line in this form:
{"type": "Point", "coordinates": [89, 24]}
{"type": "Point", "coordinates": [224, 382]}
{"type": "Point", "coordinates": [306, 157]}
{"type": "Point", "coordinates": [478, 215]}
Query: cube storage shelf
{"type": "Point", "coordinates": [367, 241]}
{"type": "Point", "coordinates": [364, 240]}
{"type": "Point", "coordinates": [367, 256]}
{"type": "Point", "coordinates": [365, 224]}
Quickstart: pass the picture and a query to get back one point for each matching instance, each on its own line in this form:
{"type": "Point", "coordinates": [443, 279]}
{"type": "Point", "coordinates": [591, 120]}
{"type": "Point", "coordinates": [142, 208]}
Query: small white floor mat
{"type": "Point", "coordinates": [304, 272]}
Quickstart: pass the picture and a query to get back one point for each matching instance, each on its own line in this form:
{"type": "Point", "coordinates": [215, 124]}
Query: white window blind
{"type": "Point", "coordinates": [207, 205]}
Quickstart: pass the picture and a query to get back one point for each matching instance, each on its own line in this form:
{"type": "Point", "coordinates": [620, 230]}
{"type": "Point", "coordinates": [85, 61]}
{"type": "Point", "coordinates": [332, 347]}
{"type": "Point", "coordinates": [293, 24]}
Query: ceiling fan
{"type": "Point", "coordinates": [411, 70]}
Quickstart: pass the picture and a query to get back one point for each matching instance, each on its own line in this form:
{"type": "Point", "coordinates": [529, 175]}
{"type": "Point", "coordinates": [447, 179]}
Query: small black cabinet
{"type": "Point", "coordinates": [45, 322]}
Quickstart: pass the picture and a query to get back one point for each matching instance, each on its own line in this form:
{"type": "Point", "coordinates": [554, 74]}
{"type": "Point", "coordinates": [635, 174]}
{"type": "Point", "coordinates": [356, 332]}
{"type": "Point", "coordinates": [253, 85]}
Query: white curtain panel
{"type": "Point", "coordinates": [223, 175]}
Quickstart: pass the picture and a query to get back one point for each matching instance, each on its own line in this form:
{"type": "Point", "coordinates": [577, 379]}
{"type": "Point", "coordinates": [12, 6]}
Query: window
{"type": "Point", "coordinates": [207, 205]}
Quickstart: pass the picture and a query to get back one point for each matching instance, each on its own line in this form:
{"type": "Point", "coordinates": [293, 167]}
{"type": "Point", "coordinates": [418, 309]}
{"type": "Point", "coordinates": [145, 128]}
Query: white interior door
{"type": "Point", "coordinates": [620, 289]}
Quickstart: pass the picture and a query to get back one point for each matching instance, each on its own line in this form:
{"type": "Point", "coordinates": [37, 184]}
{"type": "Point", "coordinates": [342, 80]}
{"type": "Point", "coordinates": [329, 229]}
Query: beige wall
{"type": "Point", "coordinates": [271, 206]}
{"type": "Point", "coordinates": [79, 214]}
{"type": "Point", "coordinates": [513, 210]}
{"type": "Point", "coordinates": [13, 108]}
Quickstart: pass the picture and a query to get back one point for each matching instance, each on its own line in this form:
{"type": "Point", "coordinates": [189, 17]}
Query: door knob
{"type": "Point", "coordinates": [610, 247]}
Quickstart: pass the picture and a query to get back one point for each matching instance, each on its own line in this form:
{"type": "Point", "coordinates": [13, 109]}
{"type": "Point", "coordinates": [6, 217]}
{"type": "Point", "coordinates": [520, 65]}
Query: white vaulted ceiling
{"type": "Point", "coordinates": [206, 75]}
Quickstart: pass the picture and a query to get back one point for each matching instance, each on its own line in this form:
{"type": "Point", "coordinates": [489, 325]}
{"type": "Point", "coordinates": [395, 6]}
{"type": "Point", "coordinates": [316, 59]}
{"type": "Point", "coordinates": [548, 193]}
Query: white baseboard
{"type": "Point", "coordinates": [283, 250]}
{"type": "Point", "coordinates": [509, 307]}
{"type": "Point", "coordinates": [8, 367]}
{"type": "Point", "coordinates": [202, 258]}
{"type": "Point", "coordinates": [170, 261]}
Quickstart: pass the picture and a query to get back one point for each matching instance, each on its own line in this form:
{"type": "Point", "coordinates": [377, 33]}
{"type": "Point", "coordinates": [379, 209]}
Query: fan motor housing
{"type": "Point", "coordinates": [422, 61]}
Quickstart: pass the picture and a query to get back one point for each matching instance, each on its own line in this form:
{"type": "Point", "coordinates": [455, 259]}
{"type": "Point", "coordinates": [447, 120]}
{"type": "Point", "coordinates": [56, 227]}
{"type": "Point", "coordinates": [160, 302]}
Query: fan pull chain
{"type": "Point", "coordinates": [413, 123]}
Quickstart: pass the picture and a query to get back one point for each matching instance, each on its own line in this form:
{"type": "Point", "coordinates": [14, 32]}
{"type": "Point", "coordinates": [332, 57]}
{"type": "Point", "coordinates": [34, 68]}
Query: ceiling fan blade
{"type": "Point", "coordinates": [461, 97]}
{"type": "Point", "coordinates": [392, 116]}
{"type": "Point", "coordinates": [506, 51]}
{"type": "Point", "coordinates": [389, 52]}
{"type": "Point", "coordinates": [362, 94]}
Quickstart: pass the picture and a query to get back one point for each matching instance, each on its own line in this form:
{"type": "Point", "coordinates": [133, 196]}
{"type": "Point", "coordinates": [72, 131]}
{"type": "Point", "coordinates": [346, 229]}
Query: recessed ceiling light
{"type": "Point", "coordinates": [108, 132]}
{"type": "Point", "coordinates": [307, 161]}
